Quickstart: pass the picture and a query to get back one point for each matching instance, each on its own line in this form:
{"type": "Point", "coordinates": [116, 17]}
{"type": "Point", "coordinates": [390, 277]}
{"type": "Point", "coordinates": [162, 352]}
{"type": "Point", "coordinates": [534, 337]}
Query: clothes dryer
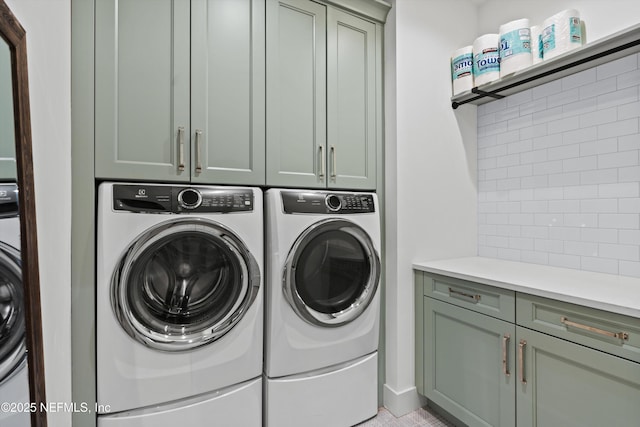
{"type": "Point", "coordinates": [322, 300]}
{"type": "Point", "coordinates": [14, 377]}
{"type": "Point", "coordinates": [179, 305]}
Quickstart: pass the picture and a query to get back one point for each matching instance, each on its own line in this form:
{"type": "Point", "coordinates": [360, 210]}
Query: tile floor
{"type": "Point", "coordinates": [422, 417]}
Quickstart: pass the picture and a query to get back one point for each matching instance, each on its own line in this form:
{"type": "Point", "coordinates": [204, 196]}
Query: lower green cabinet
{"type": "Point", "coordinates": [561, 383]}
{"type": "Point", "coordinates": [465, 373]}
{"type": "Point", "coordinates": [486, 371]}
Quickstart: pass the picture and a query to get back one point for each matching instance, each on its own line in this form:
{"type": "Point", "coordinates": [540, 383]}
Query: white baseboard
{"type": "Point", "coordinates": [403, 402]}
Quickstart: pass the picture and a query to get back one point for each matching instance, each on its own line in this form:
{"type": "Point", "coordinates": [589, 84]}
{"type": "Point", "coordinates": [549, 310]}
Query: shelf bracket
{"type": "Point", "coordinates": [489, 94]}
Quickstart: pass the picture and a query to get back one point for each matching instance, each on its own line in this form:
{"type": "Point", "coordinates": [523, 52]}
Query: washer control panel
{"type": "Point", "coordinates": [170, 199]}
{"type": "Point", "coordinates": [323, 202]}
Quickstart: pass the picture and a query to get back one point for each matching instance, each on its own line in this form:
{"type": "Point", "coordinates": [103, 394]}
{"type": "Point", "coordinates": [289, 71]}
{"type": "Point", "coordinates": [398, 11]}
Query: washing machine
{"type": "Point", "coordinates": [14, 377]}
{"type": "Point", "coordinates": [179, 305]}
{"type": "Point", "coordinates": [322, 302]}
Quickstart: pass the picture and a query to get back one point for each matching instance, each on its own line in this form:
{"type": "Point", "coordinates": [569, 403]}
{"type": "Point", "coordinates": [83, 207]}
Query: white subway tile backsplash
{"type": "Point", "coordinates": [599, 146]}
{"type": "Point", "coordinates": [629, 111]}
{"type": "Point", "coordinates": [598, 235]}
{"type": "Point", "coordinates": [581, 248]}
{"type": "Point", "coordinates": [617, 67]}
{"type": "Point", "coordinates": [619, 97]}
{"type": "Point", "coordinates": [559, 172]}
{"type": "Point", "coordinates": [563, 98]}
{"type": "Point", "coordinates": [628, 268]}
{"type": "Point", "coordinates": [619, 128]}
{"type": "Point", "coordinates": [583, 134]}
{"type": "Point", "coordinates": [563, 125]}
{"type": "Point", "coordinates": [566, 261]}
{"type": "Point", "coordinates": [600, 176]}
{"type": "Point", "coordinates": [632, 78]}
{"type": "Point", "coordinates": [619, 221]}
{"type": "Point", "coordinates": [628, 189]}
{"type": "Point", "coordinates": [629, 142]}
{"type": "Point", "coordinates": [631, 205]}
{"type": "Point", "coordinates": [620, 252]}
{"type": "Point", "coordinates": [579, 79]}
{"type": "Point", "coordinates": [599, 205]}
{"type": "Point", "coordinates": [599, 117]}
{"type": "Point", "coordinates": [546, 89]}
{"type": "Point", "coordinates": [598, 88]}
{"type": "Point", "coordinates": [599, 265]}
{"type": "Point", "coordinates": [618, 160]}
{"type": "Point", "coordinates": [628, 237]}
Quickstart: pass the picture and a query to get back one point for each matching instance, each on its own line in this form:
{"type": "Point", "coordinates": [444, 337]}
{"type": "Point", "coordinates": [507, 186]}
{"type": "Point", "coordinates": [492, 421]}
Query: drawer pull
{"type": "Point", "coordinates": [505, 346]}
{"type": "Point", "coordinates": [619, 335]}
{"type": "Point", "coordinates": [453, 292]}
{"type": "Point", "coordinates": [521, 347]}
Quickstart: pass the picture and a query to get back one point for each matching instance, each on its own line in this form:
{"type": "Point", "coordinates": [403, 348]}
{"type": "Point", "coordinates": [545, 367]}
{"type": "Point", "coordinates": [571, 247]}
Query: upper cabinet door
{"type": "Point", "coordinates": [351, 98]}
{"type": "Point", "coordinates": [296, 93]}
{"type": "Point", "coordinates": [228, 91]}
{"type": "Point", "coordinates": [142, 90]}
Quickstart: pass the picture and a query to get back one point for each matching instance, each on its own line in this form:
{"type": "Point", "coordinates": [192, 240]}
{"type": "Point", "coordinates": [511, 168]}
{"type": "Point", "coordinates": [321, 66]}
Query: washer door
{"type": "Point", "coordinates": [183, 284]}
{"type": "Point", "coordinates": [332, 272]}
{"type": "Point", "coordinates": [13, 351]}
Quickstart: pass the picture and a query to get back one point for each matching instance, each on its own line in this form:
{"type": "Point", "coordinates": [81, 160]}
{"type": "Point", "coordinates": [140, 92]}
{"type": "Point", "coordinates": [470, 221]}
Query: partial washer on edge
{"type": "Point", "coordinates": [179, 305]}
{"type": "Point", "coordinates": [14, 375]}
{"type": "Point", "coordinates": [322, 302]}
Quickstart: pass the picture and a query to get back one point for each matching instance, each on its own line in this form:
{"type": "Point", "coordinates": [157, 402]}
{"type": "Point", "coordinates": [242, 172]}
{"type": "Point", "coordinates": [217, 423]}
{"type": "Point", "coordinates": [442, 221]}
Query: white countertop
{"type": "Point", "coordinates": [618, 294]}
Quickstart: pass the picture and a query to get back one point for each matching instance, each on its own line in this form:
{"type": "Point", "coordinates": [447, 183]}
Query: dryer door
{"type": "Point", "coordinates": [12, 324]}
{"type": "Point", "coordinates": [183, 284]}
{"type": "Point", "coordinates": [332, 273]}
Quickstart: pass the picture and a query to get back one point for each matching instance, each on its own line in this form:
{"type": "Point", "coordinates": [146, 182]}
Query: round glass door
{"type": "Point", "coordinates": [184, 284]}
{"type": "Point", "coordinates": [332, 273]}
{"type": "Point", "coordinates": [12, 324]}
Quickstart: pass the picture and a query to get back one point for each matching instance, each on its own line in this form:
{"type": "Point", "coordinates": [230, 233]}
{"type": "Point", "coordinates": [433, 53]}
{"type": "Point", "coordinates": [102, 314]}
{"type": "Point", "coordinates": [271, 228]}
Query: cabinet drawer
{"type": "Point", "coordinates": [495, 302]}
{"type": "Point", "coordinates": [613, 333]}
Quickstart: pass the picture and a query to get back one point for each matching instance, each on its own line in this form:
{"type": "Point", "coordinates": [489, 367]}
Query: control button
{"type": "Point", "coordinates": [333, 202]}
{"type": "Point", "coordinates": [189, 198]}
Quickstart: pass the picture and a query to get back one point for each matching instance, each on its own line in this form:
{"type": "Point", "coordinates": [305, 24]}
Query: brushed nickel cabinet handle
{"type": "Point", "coordinates": [521, 347]}
{"type": "Point", "coordinates": [198, 151]}
{"type": "Point", "coordinates": [505, 350]}
{"type": "Point", "coordinates": [619, 335]}
{"type": "Point", "coordinates": [181, 148]}
{"type": "Point", "coordinates": [475, 298]}
{"type": "Point", "coordinates": [333, 163]}
{"type": "Point", "coordinates": [323, 165]}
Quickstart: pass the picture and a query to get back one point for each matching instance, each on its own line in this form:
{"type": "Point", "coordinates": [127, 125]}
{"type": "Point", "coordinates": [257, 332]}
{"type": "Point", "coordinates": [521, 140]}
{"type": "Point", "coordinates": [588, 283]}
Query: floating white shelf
{"type": "Point", "coordinates": [617, 45]}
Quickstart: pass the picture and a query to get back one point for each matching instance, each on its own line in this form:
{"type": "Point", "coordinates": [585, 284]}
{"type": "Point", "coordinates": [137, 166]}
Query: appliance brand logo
{"type": "Point", "coordinates": [142, 193]}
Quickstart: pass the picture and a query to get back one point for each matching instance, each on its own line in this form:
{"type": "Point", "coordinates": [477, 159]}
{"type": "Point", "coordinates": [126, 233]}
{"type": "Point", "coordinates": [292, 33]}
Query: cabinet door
{"type": "Point", "coordinates": [571, 385]}
{"type": "Point", "coordinates": [296, 93]}
{"type": "Point", "coordinates": [351, 101]}
{"type": "Point", "coordinates": [469, 362]}
{"type": "Point", "coordinates": [142, 89]}
{"type": "Point", "coordinates": [227, 91]}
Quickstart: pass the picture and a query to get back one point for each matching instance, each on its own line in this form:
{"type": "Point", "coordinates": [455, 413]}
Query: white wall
{"type": "Point", "coordinates": [430, 167]}
{"type": "Point", "coordinates": [48, 26]}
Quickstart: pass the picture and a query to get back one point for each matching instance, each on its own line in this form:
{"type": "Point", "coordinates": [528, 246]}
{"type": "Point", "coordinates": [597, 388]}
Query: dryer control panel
{"type": "Point", "coordinates": [173, 199]}
{"type": "Point", "coordinates": [323, 202]}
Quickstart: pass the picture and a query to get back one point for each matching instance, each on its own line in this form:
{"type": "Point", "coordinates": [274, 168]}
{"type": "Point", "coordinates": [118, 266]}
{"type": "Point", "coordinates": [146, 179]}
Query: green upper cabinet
{"type": "Point", "coordinates": [180, 90]}
{"type": "Point", "coordinates": [321, 96]}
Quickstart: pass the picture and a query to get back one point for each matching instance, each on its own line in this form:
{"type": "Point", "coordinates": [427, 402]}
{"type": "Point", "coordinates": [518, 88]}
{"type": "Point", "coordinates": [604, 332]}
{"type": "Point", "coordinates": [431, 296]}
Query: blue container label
{"type": "Point", "coordinates": [575, 30]}
{"type": "Point", "coordinates": [486, 61]}
{"type": "Point", "coordinates": [515, 42]}
{"type": "Point", "coordinates": [462, 66]}
{"type": "Point", "coordinates": [540, 47]}
{"type": "Point", "coordinates": [548, 38]}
